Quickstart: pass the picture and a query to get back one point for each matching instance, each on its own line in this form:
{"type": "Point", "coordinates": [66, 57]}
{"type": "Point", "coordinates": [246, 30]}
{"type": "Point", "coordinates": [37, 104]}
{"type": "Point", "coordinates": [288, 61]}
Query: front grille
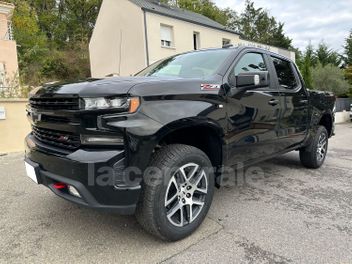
{"type": "Point", "coordinates": [69, 103]}
{"type": "Point", "coordinates": [55, 119]}
{"type": "Point", "coordinates": [57, 138]}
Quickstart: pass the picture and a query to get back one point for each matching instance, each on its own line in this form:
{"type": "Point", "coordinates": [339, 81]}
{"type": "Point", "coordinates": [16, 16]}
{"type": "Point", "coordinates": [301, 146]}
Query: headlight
{"type": "Point", "coordinates": [129, 104]}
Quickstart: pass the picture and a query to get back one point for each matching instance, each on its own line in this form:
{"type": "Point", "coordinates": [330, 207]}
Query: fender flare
{"type": "Point", "coordinates": [189, 123]}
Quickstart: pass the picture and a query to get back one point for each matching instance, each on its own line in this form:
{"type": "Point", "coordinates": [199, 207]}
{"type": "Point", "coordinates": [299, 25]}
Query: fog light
{"type": "Point", "coordinates": [101, 140]}
{"type": "Point", "coordinates": [73, 191]}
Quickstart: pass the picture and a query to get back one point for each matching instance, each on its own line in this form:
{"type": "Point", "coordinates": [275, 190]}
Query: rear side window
{"type": "Point", "coordinates": [250, 62]}
{"type": "Point", "coordinates": [285, 74]}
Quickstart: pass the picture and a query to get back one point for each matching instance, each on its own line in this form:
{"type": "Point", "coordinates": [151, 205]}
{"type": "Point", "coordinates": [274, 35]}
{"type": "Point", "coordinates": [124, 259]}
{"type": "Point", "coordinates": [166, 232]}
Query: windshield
{"type": "Point", "coordinates": [198, 64]}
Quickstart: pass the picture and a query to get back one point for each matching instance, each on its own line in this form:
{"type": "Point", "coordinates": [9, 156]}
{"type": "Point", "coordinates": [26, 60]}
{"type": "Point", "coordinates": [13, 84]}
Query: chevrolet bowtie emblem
{"type": "Point", "coordinates": [36, 117]}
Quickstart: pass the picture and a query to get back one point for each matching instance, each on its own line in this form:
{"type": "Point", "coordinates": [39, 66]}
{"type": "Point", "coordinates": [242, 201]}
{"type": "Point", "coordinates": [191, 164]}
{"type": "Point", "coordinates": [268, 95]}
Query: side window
{"type": "Point", "coordinates": [250, 62]}
{"type": "Point", "coordinates": [285, 74]}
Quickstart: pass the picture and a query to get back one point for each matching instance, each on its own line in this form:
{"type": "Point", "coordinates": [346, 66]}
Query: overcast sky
{"type": "Point", "coordinates": [307, 20]}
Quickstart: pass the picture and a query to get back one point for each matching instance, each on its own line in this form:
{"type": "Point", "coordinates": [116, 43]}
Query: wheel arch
{"type": "Point", "coordinates": [204, 134]}
{"type": "Point", "coordinates": [327, 121]}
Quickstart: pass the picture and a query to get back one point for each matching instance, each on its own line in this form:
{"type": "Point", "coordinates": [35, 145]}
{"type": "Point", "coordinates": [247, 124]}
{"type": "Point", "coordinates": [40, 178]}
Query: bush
{"type": "Point", "coordinates": [70, 63]}
{"type": "Point", "coordinates": [330, 78]}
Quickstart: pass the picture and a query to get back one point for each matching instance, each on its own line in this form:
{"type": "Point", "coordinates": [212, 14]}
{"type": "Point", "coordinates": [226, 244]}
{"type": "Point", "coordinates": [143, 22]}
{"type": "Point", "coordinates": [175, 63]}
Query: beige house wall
{"type": "Point", "coordinates": [182, 36]}
{"type": "Point", "coordinates": [15, 127]}
{"type": "Point", "coordinates": [8, 56]}
{"type": "Point", "coordinates": [8, 48]}
{"type": "Point", "coordinates": [3, 25]}
{"type": "Point", "coordinates": [118, 43]}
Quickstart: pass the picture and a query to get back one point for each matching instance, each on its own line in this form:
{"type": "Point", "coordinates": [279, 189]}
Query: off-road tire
{"type": "Point", "coordinates": [309, 155]}
{"type": "Point", "coordinates": [151, 212]}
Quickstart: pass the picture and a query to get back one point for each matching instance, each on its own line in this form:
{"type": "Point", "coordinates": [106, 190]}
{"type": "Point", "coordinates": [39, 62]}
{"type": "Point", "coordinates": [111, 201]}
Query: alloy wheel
{"type": "Point", "coordinates": [185, 195]}
{"type": "Point", "coordinates": [322, 147]}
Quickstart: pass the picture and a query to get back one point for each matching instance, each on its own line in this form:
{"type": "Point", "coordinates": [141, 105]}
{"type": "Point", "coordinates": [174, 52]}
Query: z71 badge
{"type": "Point", "coordinates": [210, 87]}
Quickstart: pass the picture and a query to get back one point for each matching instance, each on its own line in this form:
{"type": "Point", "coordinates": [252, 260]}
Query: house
{"type": "Point", "coordinates": [8, 48]}
{"type": "Point", "coordinates": [132, 34]}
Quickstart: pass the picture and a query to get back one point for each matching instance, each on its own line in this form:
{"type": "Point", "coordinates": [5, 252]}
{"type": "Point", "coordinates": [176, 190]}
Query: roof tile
{"type": "Point", "coordinates": [154, 6]}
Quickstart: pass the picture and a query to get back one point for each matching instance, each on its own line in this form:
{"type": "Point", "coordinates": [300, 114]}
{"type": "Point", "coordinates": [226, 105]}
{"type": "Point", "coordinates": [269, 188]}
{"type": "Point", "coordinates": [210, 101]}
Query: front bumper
{"type": "Point", "coordinates": [94, 173]}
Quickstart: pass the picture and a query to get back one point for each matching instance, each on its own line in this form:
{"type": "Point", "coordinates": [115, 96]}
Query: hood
{"type": "Point", "coordinates": [91, 87]}
{"type": "Point", "coordinates": [116, 86]}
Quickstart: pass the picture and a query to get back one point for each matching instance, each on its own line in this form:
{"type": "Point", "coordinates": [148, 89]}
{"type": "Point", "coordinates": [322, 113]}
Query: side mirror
{"type": "Point", "coordinates": [252, 80]}
{"type": "Point", "coordinates": [247, 81]}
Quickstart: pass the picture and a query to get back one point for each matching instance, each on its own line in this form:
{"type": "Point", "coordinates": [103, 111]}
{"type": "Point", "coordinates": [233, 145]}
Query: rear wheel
{"type": "Point", "coordinates": [313, 156]}
{"type": "Point", "coordinates": [178, 194]}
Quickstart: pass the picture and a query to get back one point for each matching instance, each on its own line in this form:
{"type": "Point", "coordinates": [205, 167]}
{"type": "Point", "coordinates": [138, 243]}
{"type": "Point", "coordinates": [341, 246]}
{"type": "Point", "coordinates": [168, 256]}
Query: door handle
{"type": "Point", "coordinates": [273, 102]}
{"type": "Point", "coordinates": [303, 101]}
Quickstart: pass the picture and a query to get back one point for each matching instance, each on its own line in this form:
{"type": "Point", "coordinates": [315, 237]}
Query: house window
{"type": "Point", "coordinates": [166, 35]}
{"type": "Point", "coordinates": [226, 42]}
{"type": "Point", "coordinates": [196, 41]}
{"type": "Point", "coordinates": [9, 35]}
{"type": "Point", "coordinates": [2, 75]}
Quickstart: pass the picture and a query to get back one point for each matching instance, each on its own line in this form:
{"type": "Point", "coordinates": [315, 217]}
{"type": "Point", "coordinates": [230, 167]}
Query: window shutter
{"type": "Point", "coordinates": [166, 33]}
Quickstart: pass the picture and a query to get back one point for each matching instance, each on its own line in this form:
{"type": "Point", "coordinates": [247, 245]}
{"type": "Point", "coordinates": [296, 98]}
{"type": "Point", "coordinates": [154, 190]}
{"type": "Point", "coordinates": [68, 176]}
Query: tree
{"type": "Point", "coordinates": [348, 50]}
{"type": "Point", "coordinates": [256, 24]}
{"type": "Point", "coordinates": [348, 76]}
{"type": "Point", "coordinates": [80, 17]}
{"type": "Point", "coordinates": [348, 59]}
{"type": "Point", "coordinates": [53, 38]}
{"type": "Point", "coordinates": [325, 55]}
{"type": "Point", "coordinates": [305, 63]}
{"type": "Point", "coordinates": [204, 7]}
{"type": "Point", "coordinates": [330, 78]}
{"type": "Point", "coordinates": [32, 43]}
{"type": "Point", "coordinates": [49, 14]}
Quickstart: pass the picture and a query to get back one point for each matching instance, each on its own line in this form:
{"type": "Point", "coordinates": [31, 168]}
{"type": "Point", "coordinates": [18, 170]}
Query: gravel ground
{"type": "Point", "coordinates": [291, 215]}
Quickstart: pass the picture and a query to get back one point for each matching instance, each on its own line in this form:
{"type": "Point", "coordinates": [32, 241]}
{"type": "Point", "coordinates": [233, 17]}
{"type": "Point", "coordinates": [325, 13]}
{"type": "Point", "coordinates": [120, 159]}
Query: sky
{"type": "Point", "coordinates": [307, 20]}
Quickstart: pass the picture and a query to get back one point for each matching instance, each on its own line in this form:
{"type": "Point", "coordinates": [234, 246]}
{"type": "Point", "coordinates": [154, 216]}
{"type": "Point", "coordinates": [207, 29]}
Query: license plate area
{"type": "Point", "coordinates": [31, 171]}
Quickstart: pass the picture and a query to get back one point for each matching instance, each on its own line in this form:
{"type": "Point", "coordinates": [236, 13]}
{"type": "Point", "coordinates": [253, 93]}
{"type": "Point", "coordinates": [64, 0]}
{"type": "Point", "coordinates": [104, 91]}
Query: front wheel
{"type": "Point", "coordinates": [313, 155]}
{"type": "Point", "coordinates": [178, 192]}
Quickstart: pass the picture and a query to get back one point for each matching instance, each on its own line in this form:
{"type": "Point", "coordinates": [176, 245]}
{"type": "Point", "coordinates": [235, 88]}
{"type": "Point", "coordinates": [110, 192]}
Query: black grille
{"type": "Point", "coordinates": [57, 138]}
{"type": "Point", "coordinates": [54, 119]}
{"type": "Point", "coordinates": [69, 103]}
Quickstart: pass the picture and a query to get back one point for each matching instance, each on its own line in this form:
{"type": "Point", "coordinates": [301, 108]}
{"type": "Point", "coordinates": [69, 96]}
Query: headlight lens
{"type": "Point", "coordinates": [104, 103]}
{"type": "Point", "coordinates": [129, 104]}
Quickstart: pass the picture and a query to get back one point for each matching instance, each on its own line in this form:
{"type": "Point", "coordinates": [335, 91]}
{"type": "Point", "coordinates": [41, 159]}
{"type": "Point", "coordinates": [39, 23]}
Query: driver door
{"type": "Point", "coordinates": [252, 118]}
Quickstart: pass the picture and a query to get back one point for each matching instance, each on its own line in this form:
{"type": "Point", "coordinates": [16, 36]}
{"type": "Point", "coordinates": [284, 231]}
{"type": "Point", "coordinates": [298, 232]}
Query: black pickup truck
{"type": "Point", "coordinates": [156, 144]}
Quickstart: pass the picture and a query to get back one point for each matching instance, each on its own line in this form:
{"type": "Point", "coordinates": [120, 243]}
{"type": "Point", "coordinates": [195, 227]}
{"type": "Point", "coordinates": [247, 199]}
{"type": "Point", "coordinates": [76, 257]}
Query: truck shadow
{"type": "Point", "coordinates": [110, 230]}
{"type": "Point", "coordinates": [290, 160]}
